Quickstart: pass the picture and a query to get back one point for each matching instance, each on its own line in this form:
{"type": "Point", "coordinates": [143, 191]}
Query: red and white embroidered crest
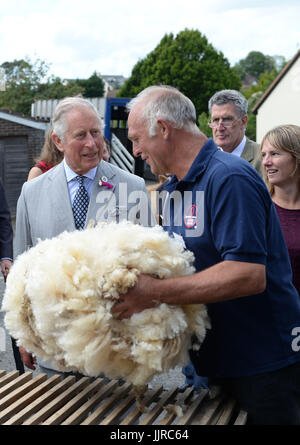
{"type": "Point", "coordinates": [190, 218]}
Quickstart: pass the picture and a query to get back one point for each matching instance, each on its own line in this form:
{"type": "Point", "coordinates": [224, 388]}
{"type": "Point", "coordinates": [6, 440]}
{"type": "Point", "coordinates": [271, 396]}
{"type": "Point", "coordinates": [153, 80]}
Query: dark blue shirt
{"type": "Point", "coordinates": [224, 211]}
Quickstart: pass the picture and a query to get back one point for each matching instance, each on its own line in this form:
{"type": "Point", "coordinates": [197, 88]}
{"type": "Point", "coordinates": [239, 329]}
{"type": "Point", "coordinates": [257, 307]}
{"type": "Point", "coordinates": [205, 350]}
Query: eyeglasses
{"type": "Point", "coordinates": [226, 122]}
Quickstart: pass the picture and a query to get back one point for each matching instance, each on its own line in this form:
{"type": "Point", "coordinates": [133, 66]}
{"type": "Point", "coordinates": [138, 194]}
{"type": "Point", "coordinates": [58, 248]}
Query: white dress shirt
{"type": "Point", "coordinates": [73, 184]}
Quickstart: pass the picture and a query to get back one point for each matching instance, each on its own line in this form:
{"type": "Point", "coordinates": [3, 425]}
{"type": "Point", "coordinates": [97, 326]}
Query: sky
{"type": "Point", "coordinates": [77, 38]}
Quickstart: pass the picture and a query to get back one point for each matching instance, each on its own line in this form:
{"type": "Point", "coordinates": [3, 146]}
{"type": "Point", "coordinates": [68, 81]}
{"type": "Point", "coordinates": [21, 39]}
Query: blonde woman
{"type": "Point", "coordinates": [49, 157]}
{"type": "Point", "coordinates": [280, 150]}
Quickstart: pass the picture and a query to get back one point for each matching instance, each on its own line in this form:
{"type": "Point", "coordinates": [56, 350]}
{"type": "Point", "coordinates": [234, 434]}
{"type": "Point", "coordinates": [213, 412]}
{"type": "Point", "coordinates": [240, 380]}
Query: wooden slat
{"type": "Point", "coordinates": [207, 416]}
{"type": "Point", "coordinates": [241, 418]}
{"type": "Point", "coordinates": [15, 383]}
{"type": "Point", "coordinates": [180, 401]}
{"type": "Point", "coordinates": [190, 412]}
{"type": "Point", "coordinates": [120, 409]}
{"type": "Point", "coordinates": [31, 401]}
{"type": "Point", "coordinates": [149, 397]}
{"type": "Point", "coordinates": [226, 413]}
{"type": "Point", "coordinates": [60, 415]}
{"type": "Point", "coordinates": [59, 401]}
{"type": "Point", "coordinates": [36, 399]}
{"type": "Point", "coordinates": [56, 403]}
{"type": "Point", "coordinates": [79, 415]}
{"type": "Point", "coordinates": [21, 397]}
{"type": "Point", "coordinates": [8, 378]}
{"type": "Point", "coordinates": [15, 394]}
{"type": "Point", "coordinates": [94, 418]}
{"type": "Point", "coordinates": [158, 408]}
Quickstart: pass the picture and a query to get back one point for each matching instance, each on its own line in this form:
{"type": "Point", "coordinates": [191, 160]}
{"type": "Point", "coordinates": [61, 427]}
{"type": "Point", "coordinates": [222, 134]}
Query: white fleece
{"type": "Point", "coordinates": [59, 294]}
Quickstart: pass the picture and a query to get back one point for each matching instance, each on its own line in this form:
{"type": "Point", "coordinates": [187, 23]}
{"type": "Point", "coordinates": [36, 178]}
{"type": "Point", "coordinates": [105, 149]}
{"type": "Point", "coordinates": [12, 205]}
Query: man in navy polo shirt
{"type": "Point", "coordinates": [222, 209]}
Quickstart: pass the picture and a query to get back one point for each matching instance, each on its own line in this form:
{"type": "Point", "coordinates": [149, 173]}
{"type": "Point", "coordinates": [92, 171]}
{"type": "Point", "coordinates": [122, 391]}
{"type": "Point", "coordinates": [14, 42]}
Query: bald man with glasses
{"type": "Point", "coordinates": [228, 110]}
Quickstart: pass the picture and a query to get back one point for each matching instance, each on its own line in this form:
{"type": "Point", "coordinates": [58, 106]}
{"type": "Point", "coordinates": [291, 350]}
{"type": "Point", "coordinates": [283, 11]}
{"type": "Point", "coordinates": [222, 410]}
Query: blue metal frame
{"type": "Point", "coordinates": [111, 102]}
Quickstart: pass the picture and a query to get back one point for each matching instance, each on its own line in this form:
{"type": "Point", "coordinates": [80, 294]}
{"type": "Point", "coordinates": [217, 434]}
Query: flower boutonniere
{"type": "Point", "coordinates": [103, 183]}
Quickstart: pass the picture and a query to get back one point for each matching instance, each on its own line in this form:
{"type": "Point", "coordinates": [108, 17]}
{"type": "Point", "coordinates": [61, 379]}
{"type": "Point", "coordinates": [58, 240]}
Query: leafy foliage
{"type": "Point", "coordinates": [264, 68]}
{"type": "Point", "coordinates": [253, 94]}
{"type": "Point", "coordinates": [255, 63]}
{"type": "Point", "coordinates": [93, 86]}
{"type": "Point", "coordinates": [25, 83]}
{"type": "Point", "coordinates": [203, 120]}
{"type": "Point", "coordinates": [186, 61]}
{"type": "Point", "coordinates": [55, 88]}
{"type": "Point", "coordinates": [22, 76]}
{"type": "Point", "coordinates": [265, 80]}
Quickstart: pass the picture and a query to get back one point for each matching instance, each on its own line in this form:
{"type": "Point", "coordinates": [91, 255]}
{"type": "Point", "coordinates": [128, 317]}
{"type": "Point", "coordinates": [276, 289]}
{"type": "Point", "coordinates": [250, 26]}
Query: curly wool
{"type": "Point", "coordinates": [59, 295]}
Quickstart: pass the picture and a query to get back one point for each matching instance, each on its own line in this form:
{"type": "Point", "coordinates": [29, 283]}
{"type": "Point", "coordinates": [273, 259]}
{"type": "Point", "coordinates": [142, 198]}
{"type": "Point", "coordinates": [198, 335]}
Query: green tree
{"type": "Point", "coordinates": [26, 82]}
{"type": "Point", "coordinates": [22, 77]}
{"type": "Point", "coordinates": [93, 86]}
{"type": "Point", "coordinates": [257, 63]}
{"type": "Point", "coordinates": [203, 120]}
{"type": "Point", "coordinates": [55, 88]}
{"type": "Point", "coordinates": [265, 80]}
{"type": "Point", "coordinates": [251, 126]}
{"type": "Point", "coordinates": [186, 61]}
{"type": "Point", "coordinates": [253, 94]}
{"type": "Point", "coordinates": [265, 69]}
{"type": "Point", "coordinates": [24, 71]}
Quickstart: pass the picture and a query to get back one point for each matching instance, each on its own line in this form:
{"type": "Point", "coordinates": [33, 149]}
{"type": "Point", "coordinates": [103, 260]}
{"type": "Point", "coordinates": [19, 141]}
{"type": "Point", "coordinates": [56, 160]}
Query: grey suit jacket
{"type": "Point", "coordinates": [251, 153]}
{"type": "Point", "coordinates": [44, 208]}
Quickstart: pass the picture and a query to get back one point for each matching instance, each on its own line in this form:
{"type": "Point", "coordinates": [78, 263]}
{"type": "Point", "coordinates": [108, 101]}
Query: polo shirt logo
{"type": "Point", "coordinates": [190, 218]}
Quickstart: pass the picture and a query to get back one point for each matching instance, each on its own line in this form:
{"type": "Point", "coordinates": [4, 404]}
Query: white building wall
{"type": "Point", "coordinates": [282, 106]}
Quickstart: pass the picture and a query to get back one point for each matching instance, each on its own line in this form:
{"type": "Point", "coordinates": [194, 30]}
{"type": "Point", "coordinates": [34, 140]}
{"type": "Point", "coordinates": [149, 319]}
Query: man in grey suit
{"type": "Point", "coordinates": [48, 204]}
{"type": "Point", "coordinates": [228, 110]}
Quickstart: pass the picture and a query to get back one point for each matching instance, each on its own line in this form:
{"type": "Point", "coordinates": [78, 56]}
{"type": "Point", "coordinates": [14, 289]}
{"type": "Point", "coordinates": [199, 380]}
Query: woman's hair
{"type": "Point", "coordinates": [287, 138]}
{"type": "Point", "coordinates": [166, 102]}
{"type": "Point", "coordinates": [50, 153]}
{"type": "Point", "coordinates": [107, 149]}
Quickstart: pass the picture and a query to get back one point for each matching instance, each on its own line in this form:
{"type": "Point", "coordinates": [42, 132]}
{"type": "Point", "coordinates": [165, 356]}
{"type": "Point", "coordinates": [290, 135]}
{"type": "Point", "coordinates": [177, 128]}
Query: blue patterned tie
{"type": "Point", "coordinates": [80, 204]}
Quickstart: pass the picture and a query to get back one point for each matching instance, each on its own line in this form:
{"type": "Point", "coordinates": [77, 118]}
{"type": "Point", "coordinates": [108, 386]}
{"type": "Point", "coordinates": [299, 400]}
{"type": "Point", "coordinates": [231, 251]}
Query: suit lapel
{"type": "Point", "coordinates": [248, 153]}
{"type": "Point", "coordinates": [106, 174]}
{"type": "Point", "coordinates": [59, 198]}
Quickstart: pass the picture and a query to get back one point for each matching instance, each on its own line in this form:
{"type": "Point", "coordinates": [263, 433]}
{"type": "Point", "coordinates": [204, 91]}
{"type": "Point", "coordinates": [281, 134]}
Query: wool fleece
{"type": "Point", "coordinates": [59, 296]}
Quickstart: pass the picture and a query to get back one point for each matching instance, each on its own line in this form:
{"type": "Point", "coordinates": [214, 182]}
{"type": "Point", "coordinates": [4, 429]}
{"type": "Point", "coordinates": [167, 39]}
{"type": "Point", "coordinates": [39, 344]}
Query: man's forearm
{"type": "Point", "coordinates": [221, 282]}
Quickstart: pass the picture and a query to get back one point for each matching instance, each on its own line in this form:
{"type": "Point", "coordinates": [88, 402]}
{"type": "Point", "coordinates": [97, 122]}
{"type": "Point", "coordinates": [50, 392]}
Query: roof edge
{"type": "Point", "coordinates": [23, 120]}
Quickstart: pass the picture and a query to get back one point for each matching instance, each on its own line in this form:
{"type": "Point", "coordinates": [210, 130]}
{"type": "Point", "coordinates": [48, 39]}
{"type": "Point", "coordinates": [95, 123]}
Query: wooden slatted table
{"type": "Point", "coordinates": [28, 400]}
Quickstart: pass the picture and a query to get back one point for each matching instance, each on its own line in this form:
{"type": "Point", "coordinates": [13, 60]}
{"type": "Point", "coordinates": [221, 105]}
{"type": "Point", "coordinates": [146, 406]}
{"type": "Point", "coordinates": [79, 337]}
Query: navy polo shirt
{"type": "Point", "coordinates": [223, 211]}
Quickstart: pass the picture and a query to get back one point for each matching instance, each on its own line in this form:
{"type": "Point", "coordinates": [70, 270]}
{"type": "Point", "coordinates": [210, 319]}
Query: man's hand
{"type": "Point", "coordinates": [28, 359]}
{"type": "Point", "coordinates": [137, 298]}
{"type": "Point", "coordinates": [223, 281]}
{"type": "Point", "coordinates": [5, 267]}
